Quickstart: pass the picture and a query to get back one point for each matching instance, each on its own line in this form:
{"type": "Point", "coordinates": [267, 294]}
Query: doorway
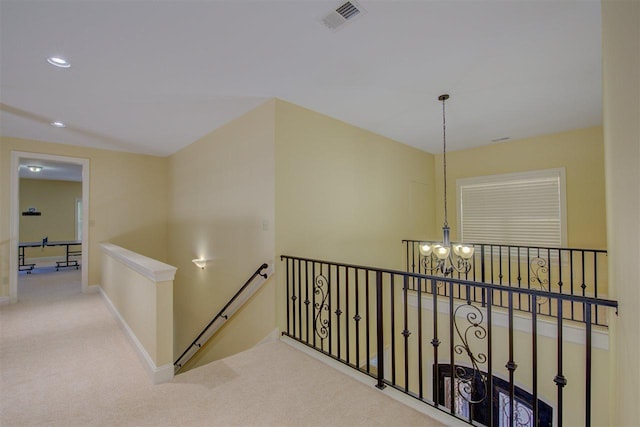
{"type": "Point", "coordinates": [20, 160]}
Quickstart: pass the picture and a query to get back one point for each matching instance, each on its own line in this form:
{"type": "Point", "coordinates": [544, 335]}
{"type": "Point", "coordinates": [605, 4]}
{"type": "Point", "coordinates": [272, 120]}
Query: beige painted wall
{"type": "Point", "coordinates": [128, 202]}
{"type": "Point", "coordinates": [580, 152]}
{"type": "Point", "coordinates": [221, 206]}
{"type": "Point", "coordinates": [345, 194]}
{"type": "Point", "coordinates": [621, 105]}
{"type": "Point", "coordinates": [144, 304]}
{"type": "Point", "coordinates": [56, 200]}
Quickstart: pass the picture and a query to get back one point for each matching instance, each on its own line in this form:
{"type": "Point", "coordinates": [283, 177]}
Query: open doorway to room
{"type": "Point", "coordinates": [49, 208]}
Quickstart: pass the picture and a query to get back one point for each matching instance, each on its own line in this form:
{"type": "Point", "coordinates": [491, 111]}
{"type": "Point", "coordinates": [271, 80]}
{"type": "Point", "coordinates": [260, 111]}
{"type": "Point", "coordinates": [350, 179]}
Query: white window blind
{"type": "Point", "coordinates": [523, 209]}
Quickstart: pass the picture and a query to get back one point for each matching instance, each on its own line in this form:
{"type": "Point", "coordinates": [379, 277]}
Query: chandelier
{"type": "Point", "coordinates": [448, 257]}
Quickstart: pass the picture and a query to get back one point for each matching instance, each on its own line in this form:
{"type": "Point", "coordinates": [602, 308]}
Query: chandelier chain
{"type": "Point", "coordinates": [444, 158]}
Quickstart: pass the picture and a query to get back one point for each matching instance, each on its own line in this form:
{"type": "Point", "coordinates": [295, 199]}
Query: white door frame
{"type": "Point", "coordinates": [14, 218]}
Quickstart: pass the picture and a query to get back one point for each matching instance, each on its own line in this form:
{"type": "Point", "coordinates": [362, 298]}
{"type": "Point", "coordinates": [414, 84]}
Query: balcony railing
{"type": "Point", "coordinates": [478, 362]}
{"type": "Point", "coordinates": [569, 271]}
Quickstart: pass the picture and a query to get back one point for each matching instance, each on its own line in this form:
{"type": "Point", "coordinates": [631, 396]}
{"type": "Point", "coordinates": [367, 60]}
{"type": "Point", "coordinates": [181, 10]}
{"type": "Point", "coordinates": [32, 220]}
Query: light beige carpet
{"type": "Point", "coordinates": [65, 362]}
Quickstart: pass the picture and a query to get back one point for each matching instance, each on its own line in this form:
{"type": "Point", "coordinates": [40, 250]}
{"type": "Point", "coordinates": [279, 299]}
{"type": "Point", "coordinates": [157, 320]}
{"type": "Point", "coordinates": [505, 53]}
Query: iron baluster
{"type": "Point", "coordinates": [392, 298]}
{"type": "Point", "coordinates": [595, 280]}
{"type": "Point", "coordinates": [549, 272]}
{"type": "Point", "coordinates": [435, 342]}
{"type": "Point", "coordinates": [587, 316]}
{"type": "Point", "coordinates": [529, 262]}
{"type": "Point", "coordinates": [287, 276]}
{"type": "Point", "coordinates": [299, 299]}
{"type": "Point", "coordinates": [313, 298]}
{"type": "Point", "coordinates": [560, 281]}
{"type": "Point", "coordinates": [490, 354]}
{"type": "Point", "coordinates": [293, 295]}
{"type": "Point", "coordinates": [379, 331]}
{"type": "Point", "coordinates": [419, 327]}
{"type": "Point", "coordinates": [306, 299]}
{"type": "Point", "coordinates": [511, 365]}
{"type": "Point", "coordinates": [571, 275]}
{"type": "Point", "coordinates": [367, 322]}
{"type": "Point", "coordinates": [451, 351]}
{"type": "Point", "coordinates": [357, 317]}
{"type": "Point", "coordinates": [559, 379]}
{"type": "Point", "coordinates": [583, 285]}
{"type": "Point", "coordinates": [519, 278]}
{"type": "Point", "coordinates": [482, 274]}
{"type": "Point", "coordinates": [338, 311]}
{"type": "Point", "coordinates": [500, 276]}
{"type": "Point", "coordinates": [534, 357]}
{"type": "Point", "coordinates": [406, 334]}
{"type": "Point", "coordinates": [346, 313]}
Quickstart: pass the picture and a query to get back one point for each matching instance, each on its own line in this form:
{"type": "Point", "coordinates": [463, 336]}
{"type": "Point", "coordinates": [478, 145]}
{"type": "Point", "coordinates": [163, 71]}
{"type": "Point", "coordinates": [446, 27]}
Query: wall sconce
{"type": "Point", "coordinates": [201, 262]}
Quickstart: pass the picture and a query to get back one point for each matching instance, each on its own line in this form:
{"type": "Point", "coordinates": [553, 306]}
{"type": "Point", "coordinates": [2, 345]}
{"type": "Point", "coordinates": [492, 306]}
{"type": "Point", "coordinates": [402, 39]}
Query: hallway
{"type": "Point", "coordinates": [65, 362]}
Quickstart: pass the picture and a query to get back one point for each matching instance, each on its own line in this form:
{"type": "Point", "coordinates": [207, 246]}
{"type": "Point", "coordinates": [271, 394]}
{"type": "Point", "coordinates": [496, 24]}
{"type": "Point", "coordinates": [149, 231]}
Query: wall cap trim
{"type": "Point", "coordinates": [153, 269]}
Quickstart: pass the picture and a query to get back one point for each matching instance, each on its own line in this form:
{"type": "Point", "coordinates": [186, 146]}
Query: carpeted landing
{"type": "Point", "coordinates": [65, 362]}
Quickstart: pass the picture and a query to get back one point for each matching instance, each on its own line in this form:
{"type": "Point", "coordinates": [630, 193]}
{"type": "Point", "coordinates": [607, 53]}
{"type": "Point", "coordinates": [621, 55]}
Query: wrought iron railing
{"type": "Point", "coordinates": [569, 271]}
{"type": "Point", "coordinates": [482, 364]}
{"type": "Point", "coordinates": [236, 301]}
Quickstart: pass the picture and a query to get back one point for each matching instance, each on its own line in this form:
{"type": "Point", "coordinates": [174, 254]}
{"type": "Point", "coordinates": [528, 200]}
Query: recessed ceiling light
{"type": "Point", "coordinates": [58, 124]}
{"type": "Point", "coordinates": [58, 62]}
{"type": "Point", "coordinates": [33, 168]}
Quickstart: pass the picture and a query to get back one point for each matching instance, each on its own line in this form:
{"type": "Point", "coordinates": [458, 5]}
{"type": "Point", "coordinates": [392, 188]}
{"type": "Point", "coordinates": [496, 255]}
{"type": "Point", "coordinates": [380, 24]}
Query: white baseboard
{"type": "Point", "coordinates": [5, 300]}
{"type": "Point", "coordinates": [92, 289]}
{"type": "Point", "coordinates": [271, 337]}
{"type": "Point", "coordinates": [157, 374]}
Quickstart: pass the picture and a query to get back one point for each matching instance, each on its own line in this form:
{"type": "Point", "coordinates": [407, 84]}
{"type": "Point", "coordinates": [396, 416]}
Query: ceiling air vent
{"type": "Point", "coordinates": [344, 13]}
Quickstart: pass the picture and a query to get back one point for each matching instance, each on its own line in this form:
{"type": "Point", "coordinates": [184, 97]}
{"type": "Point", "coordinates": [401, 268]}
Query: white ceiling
{"type": "Point", "coordinates": [154, 76]}
{"type": "Point", "coordinates": [51, 170]}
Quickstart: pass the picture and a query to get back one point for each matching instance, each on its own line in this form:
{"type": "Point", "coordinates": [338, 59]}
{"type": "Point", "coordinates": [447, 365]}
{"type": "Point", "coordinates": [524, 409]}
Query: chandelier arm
{"type": "Point", "coordinates": [428, 265]}
{"type": "Point", "coordinates": [460, 265]}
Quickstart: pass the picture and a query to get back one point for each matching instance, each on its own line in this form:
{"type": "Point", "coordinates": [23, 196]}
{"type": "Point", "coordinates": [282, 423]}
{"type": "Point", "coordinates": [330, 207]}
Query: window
{"type": "Point", "coordinates": [521, 209]}
{"type": "Point", "coordinates": [462, 397]}
{"type": "Point", "coordinates": [473, 401]}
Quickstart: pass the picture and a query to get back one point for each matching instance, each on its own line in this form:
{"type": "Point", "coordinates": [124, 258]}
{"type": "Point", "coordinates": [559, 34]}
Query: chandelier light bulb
{"type": "Point", "coordinates": [426, 249]}
{"type": "Point", "coordinates": [442, 252]}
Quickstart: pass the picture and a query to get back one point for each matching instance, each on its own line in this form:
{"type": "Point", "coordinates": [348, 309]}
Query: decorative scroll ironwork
{"type": "Point", "coordinates": [426, 264]}
{"type": "Point", "coordinates": [539, 279]}
{"type": "Point", "coordinates": [471, 390]}
{"type": "Point", "coordinates": [456, 263]}
{"type": "Point", "coordinates": [522, 415]}
{"type": "Point", "coordinates": [320, 321]}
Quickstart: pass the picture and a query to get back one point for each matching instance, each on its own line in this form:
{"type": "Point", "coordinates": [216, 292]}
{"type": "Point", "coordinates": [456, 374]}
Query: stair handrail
{"type": "Point", "coordinates": [258, 272]}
